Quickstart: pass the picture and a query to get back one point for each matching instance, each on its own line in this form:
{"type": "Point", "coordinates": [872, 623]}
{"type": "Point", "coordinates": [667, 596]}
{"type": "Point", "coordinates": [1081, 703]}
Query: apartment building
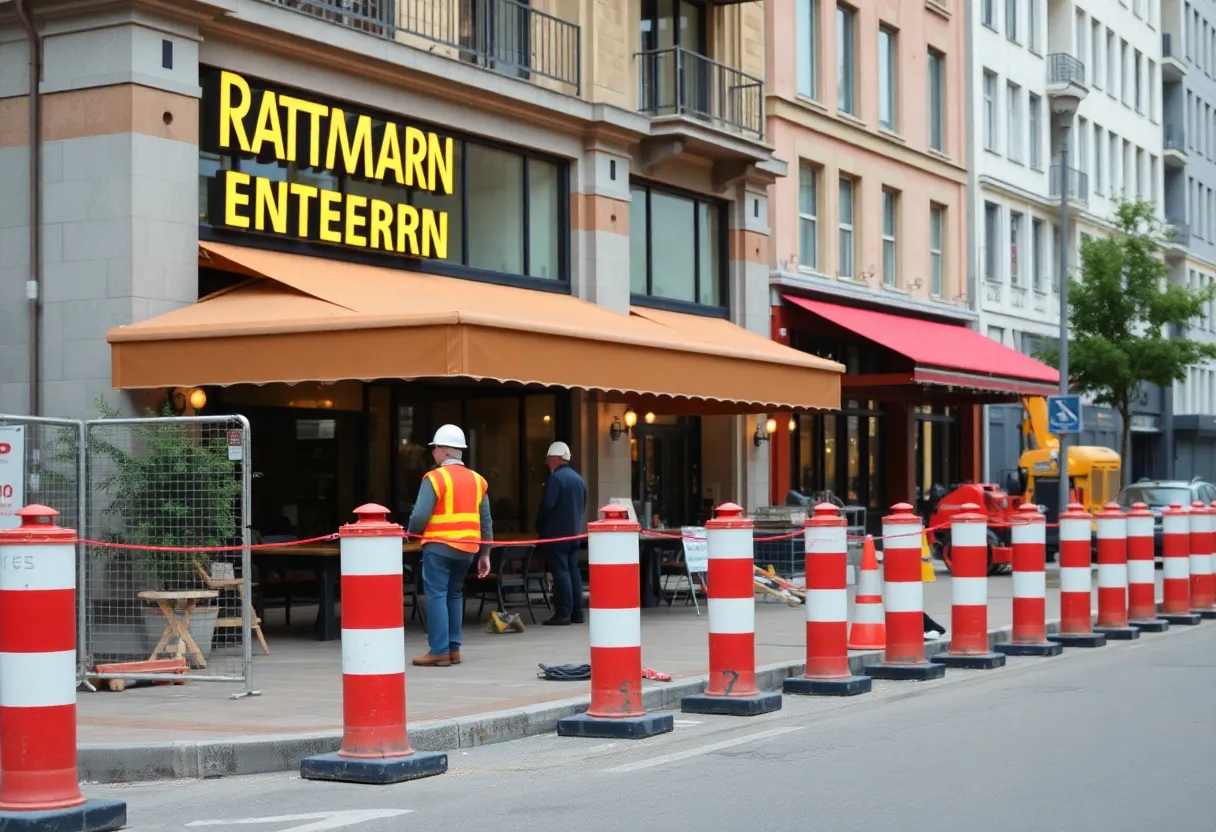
{"type": "Point", "coordinates": [1188, 92]}
{"type": "Point", "coordinates": [867, 103]}
{"type": "Point", "coordinates": [1105, 57]}
{"type": "Point", "coordinates": [355, 220]}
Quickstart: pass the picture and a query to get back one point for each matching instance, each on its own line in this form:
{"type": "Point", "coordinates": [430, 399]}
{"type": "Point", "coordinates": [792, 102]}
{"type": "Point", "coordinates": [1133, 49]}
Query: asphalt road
{"type": "Point", "coordinates": [1121, 739]}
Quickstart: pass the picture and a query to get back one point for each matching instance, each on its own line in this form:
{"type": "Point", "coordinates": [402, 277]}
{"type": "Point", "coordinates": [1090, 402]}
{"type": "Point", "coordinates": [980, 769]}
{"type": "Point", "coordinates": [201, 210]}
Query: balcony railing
{"type": "Point", "coordinates": [506, 36]}
{"type": "Point", "coordinates": [675, 81]}
{"type": "Point", "coordinates": [1175, 138]}
{"type": "Point", "coordinates": [1177, 233]}
{"type": "Point", "coordinates": [1063, 68]}
{"type": "Point", "coordinates": [1078, 183]}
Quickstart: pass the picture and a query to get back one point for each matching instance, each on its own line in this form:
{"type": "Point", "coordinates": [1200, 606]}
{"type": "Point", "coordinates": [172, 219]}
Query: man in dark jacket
{"type": "Point", "coordinates": [561, 515]}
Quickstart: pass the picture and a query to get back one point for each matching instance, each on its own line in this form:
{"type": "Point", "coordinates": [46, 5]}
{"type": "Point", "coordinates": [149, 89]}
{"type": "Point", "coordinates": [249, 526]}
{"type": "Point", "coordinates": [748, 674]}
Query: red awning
{"type": "Point", "coordinates": [943, 354]}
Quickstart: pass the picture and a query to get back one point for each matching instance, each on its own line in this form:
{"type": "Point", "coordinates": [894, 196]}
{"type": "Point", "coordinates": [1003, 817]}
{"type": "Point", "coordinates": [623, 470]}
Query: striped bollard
{"type": "Point", "coordinates": [39, 785]}
{"type": "Point", "coordinates": [827, 610]}
{"type": "Point", "coordinates": [1112, 575]}
{"type": "Point", "coordinates": [1176, 567]}
{"type": "Point", "coordinates": [969, 594]}
{"type": "Point", "coordinates": [904, 600]}
{"type": "Point", "coordinates": [1141, 572]}
{"type": "Point", "coordinates": [1076, 581]}
{"type": "Point", "coordinates": [617, 710]}
{"type": "Point", "coordinates": [1202, 590]}
{"type": "Point", "coordinates": [375, 743]}
{"type": "Point", "coordinates": [1029, 637]}
{"type": "Point", "coordinates": [731, 599]}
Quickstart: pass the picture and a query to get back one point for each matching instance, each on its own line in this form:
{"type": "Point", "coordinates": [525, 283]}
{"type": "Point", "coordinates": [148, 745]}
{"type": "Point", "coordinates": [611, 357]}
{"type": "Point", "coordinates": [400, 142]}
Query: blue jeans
{"type": "Point", "coordinates": [443, 585]}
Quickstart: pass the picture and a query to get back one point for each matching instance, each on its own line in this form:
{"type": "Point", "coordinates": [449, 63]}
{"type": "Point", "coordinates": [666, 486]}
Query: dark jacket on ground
{"type": "Point", "coordinates": [563, 504]}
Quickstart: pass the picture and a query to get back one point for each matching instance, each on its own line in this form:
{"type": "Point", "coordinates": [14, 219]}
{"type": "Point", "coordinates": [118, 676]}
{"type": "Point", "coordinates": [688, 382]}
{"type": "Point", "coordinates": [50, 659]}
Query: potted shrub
{"type": "Point", "coordinates": [168, 484]}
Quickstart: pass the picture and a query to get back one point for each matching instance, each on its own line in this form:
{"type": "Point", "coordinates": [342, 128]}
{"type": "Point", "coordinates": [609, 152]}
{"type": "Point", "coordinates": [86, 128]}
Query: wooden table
{"type": "Point", "coordinates": [178, 630]}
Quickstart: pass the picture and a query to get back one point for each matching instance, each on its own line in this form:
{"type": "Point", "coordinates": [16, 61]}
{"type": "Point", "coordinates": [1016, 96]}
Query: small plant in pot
{"type": "Point", "coordinates": [168, 483]}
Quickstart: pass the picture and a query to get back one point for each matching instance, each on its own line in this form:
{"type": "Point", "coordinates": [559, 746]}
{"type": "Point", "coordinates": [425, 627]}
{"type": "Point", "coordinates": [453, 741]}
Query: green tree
{"type": "Point", "coordinates": [1126, 318]}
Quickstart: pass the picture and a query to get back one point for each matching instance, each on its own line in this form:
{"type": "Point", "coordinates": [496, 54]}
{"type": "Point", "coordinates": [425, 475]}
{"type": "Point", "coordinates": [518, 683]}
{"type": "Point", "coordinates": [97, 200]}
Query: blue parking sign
{"type": "Point", "coordinates": [1064, 414]}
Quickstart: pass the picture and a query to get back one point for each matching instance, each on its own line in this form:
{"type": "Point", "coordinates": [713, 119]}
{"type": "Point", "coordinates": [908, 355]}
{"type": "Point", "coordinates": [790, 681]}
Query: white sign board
{"type": "Point", "coordinates": [12, 474]}
{"type": "Point", "coordinates": [696, 549]}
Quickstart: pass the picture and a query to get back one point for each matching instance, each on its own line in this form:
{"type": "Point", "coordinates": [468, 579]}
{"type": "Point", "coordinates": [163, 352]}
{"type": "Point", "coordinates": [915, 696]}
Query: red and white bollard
{"type": "Point", "coordinates": [1141, 572]}
{"type": "Point", "coordinates": [39, 784]}
{"type": "Point", "coordinates": [827, 610]}
{"type": "Point", "coordinates": [969, 594]}
{"type": "Point", "coordinates": [615, 619]}
{"type": "Point", "coordinates": [1176, 567]}
{"type": "Point", "coordinates": [732, 689]}
{"type": "Point", "coordinates": [1203, 593]}
{"type": "Point", "coordinates": [375, 743]}
{"type": "Point", "coordinates": [904, 600]}
{"type": "Point", "coordinates": [1076, 581]}
{"type": "Point", "coordinates": [1112, 575]}
{"type": "Point", "coordinates": [1029, 637]}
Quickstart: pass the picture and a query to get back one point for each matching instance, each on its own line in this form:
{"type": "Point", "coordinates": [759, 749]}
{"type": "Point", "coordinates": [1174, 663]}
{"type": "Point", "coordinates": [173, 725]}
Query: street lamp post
{"type": "Point", "coordinates": [1064, 113]}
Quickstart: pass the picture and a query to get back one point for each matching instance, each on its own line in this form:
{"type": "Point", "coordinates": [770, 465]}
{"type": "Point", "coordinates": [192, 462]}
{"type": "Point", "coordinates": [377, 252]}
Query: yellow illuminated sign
{"type": "Point", "coordinates": [253, 122]}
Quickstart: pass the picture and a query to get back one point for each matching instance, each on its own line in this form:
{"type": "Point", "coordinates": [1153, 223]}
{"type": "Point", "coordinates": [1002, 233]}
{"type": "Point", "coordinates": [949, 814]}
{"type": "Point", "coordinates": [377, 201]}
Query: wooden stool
{"type": "Point", "coordinates": [223, 577]}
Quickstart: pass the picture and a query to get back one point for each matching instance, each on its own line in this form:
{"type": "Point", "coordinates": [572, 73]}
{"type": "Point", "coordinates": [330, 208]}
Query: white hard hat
{"type": "Point", "coordinates": [559, 449]}
{"type": "Point", "coordinates": [449, 436]}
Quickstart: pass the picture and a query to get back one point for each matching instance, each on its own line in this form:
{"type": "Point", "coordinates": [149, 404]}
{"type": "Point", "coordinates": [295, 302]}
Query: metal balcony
{"type": "Point", "coordinates": [677, 82]}
{"type": "Point", "coordinates": [1177, 235]}
{"type": "Point", "coordinates": [1078, 184]}
{"type": "Point", "coordinates": [1173, 67]}
{"type": "Point", "coordinates": [1064, 69]}
{"type": "Point", "coordinates": [506, 36]}
{"type": "Point", "coordinates": [1174, 144]}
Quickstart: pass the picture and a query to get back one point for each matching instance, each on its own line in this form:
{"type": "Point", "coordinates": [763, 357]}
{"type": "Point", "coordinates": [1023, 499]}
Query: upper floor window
{"type": "Point", "coordinates": [846, 68]}
{"type": "Point", "coordinates": [887, 69]}
{"type": "Point", "coordinates": [677, 247]}
{"type": "Point", "coordinates": [937, 106]}
{"type": "Point", "coordinates": [990, 119]}
{"type": "Point", "coordinates": [890, 258]}
{"type": "Point", "coordinates": [937, 222]}
{"type": "Point", "coordinates": [1033, 38]}
{"type": "Point", "coordinates": [844, 243]}
{"type": "Point", "coordinates": [1011, 19]}
{"type": "Point", "coordinates": [1036, 131]}
{"type": "Point", "coordinates": [988, 13]}
{"type": "Point", "coordinates": [808, 48]}
{"type": "Point", "coordinates": [1013, 121]}
{"type": "Point", "coordinates": [808, 215]}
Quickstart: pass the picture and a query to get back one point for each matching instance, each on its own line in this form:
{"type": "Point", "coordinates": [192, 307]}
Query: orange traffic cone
{"type": "Point", "coordinates": [869, 630]}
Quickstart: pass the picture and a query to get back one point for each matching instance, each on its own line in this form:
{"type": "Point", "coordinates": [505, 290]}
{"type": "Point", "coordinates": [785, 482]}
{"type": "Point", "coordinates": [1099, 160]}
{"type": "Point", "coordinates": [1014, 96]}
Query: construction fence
{"type": "Point", "coordinates": [162, 510]}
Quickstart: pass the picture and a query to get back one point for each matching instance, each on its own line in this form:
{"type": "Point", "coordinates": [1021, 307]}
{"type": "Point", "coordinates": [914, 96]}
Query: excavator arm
{"type": "Point", "coordinates": [1034, 422]}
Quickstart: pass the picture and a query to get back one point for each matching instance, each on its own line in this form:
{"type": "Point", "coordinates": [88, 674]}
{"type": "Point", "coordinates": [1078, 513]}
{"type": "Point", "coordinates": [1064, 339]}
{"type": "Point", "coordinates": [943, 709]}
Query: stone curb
{"type": "Point", "coordinates": [263, 754]}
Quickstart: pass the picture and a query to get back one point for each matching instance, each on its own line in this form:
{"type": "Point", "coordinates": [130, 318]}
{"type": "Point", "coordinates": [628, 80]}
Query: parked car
{"type": "Point", "coordinates": [1159, 495]}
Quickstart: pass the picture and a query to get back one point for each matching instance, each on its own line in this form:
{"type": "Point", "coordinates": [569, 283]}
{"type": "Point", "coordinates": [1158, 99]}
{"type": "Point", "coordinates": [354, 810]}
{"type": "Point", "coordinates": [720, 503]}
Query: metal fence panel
{"type": "Point", "coordinates": [49, 454]}
{"type": "Point", "coordinates": [180, 482]}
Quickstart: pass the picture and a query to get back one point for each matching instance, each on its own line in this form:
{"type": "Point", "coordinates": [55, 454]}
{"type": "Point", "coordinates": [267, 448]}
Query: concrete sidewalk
{"type": "Point", "coordinates": [196, 730]}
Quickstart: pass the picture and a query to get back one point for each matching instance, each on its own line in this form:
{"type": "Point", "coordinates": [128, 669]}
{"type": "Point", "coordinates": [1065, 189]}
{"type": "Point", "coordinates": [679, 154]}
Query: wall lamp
{"type": "Point", "coordinates": [179, 398]}
{"type": "Point", "coordinates": [631, 419]}
{"type": "Point", "coordinates": [763, 432]}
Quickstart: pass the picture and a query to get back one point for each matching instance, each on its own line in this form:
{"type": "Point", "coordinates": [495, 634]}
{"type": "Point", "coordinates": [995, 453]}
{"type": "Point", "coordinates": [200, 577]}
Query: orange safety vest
{"type": "Point", "coordinates": [457, 515]}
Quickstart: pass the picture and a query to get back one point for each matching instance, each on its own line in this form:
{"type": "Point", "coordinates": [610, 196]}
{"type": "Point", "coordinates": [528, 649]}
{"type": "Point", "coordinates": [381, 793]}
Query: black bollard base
{"type": "Point", "coordinates": [846, 686]}
{"type": "Point", "coordinates": [1079, 639]}
{"type": "Point", "coordinates": [978, 661]}
{"type": "Point", "coordinates": [1119, 633]}
{"type": "Point", "coordinates": [1209, 615]}
{"type": "Point", "coordinates": [1182, 619]}
{"type": "Point", "coordinates": [93, 816]}
{"type": "Point", "coordinates": [703, 703]}
{"type": "Point", "coordinates": [1153, 625]}
{"type": "Point", "coordinates": [1013, 648]}
{"type": "Point", "coordinates": [379, 771]}
{"type": "Point", "coordinates": [905, 672]}
{"type": "Point", "coordinates": [622, 728]}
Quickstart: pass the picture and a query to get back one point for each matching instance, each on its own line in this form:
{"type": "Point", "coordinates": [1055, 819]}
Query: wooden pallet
{"type": "Point", "coordinates": [176, 666]}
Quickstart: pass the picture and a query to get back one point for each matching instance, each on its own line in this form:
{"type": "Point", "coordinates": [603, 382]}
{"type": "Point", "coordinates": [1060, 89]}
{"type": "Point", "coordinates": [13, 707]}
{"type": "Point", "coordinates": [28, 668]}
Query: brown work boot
{"type": "Point", "coordinates": [427, 660]}
{"type": "Point", "coordinates": [454, 657]}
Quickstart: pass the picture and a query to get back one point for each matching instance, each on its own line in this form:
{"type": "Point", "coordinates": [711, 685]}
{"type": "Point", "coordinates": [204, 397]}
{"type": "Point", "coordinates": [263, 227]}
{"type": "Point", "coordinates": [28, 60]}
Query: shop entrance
{"type": "Point", "coordinates": [938, 455]}
{"type": "Point", "coordinates": [666, 472]}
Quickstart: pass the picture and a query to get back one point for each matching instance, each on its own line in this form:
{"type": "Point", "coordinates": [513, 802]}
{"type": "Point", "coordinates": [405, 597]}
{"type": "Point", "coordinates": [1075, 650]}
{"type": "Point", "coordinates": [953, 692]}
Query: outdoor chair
{"type": "Point", "coordinates": [222, 577]}
{"type": "Point", "coordinates": [511, 575]}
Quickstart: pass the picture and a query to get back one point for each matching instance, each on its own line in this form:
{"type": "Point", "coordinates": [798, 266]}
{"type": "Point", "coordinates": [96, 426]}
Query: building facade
{"type": "Point", "coordinates": [868, 103]}
{"type": "Point", "coordinates": [1029, 55]}
{"type": "Point", "coordinates": [354, 221]}
{"type": "Point", "coordinates": [1189, 95]}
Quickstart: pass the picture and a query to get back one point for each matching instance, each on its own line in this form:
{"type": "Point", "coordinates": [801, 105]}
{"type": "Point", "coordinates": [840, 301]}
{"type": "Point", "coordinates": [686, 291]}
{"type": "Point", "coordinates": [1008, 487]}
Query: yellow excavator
{"type": "Point", "coordinates": [1095, 473]}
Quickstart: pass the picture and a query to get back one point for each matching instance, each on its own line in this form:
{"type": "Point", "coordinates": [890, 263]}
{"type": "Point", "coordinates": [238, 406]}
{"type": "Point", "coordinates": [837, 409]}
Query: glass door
{"type": "Point", "coordinates": [672, 36]}
{"type": "Point", "coordinates": [667, 473]}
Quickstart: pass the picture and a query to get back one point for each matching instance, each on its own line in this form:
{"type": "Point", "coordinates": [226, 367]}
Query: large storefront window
{"type": "Point", "coordinates": [840, 456]}
{"type": "Point", "coordinates": [506, 215]}
{"type": "Point", "coordinates": [676, 248]}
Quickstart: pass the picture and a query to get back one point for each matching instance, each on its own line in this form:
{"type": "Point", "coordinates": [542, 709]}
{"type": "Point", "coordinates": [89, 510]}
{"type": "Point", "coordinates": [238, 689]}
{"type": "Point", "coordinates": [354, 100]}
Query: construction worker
{"type": "Point", "coordinates": [452, 512]}
{"type": "Point", "coordinates": [561, 515]}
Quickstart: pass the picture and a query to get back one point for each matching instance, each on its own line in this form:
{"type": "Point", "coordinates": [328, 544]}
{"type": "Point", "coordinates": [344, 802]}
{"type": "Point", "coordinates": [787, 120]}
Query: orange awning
{"type": "Point", "coordinates": [307, 319]}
